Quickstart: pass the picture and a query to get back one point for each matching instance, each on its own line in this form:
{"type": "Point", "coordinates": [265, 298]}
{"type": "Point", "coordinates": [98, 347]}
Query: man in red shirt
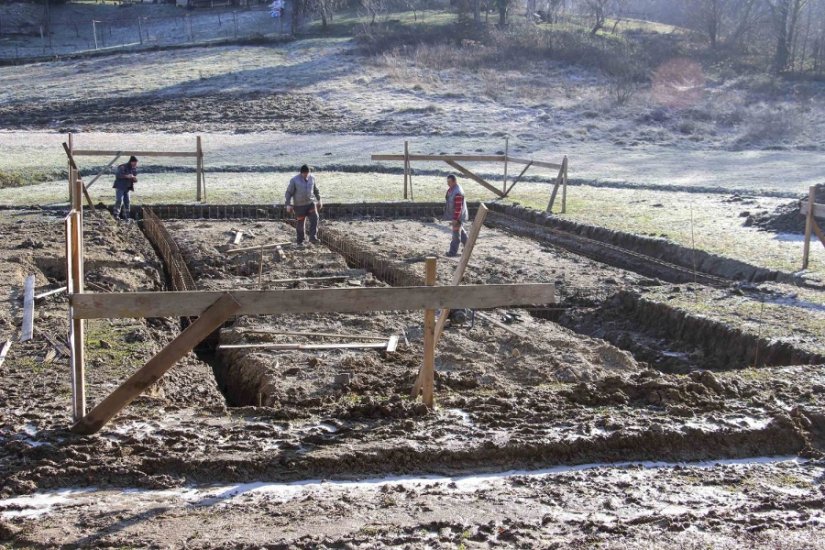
{"type": "Point", "coordinates": [455, 210]}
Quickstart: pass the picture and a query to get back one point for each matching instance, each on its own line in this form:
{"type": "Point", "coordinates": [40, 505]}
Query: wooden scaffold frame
{"type": "Point", "coordinates": [811, 210]}
{"type": "Point", "coordinates": [212, 309]}
{"type": "Point", "coordinates": [454, 162]}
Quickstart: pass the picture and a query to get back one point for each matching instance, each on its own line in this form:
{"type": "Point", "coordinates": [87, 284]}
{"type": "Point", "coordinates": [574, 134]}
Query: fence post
{"type": "Point", "coordinates": [564, 186]}
{"type": "Point", "coordinates": [428, 374]}
{"type": "Point", "coordinates": [406, 166]}
{"type": "Point", "coordinates": [140, 31]}
{"type": "Point", "coordinates": [199, 169]}
{"type": "Point", "coordinates": [506, 153]}
{"type": "Point", "coordinates": [71, 150]}
{"type": "Point", "coordinates": [94, 31]}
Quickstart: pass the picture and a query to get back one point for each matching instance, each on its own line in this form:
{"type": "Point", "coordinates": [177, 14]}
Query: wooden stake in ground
{"type": "Point", "coordinates": [152, 371]}
{"type": "Point", "coordinates": [428, 371]}
{"type": "Point", "coordinates": [809, 225]}
{"type": "Point", "coordinates": [406, 166]}
{"type": "Point", "coordinates": [559, 180]}
{"type": "Point", "coordinates": [76, 170]}
{"type": "Point", "coordinates": [4, 351]}
{"type": "Point", "coordinates": [27, 330]}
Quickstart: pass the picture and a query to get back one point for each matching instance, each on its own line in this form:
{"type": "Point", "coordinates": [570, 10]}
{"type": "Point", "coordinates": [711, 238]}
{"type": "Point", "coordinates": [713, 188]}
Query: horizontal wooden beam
{"type": "Point", "coordinates": [324, 300]}
{"type": "Point", "coordinates": [445, 158]}
{"type": "Point", "coordinates": [256, 248]}
{"type": "Point", "coordinates": [534, 163]}
{"type": "Point", "coordinates": [819, 209]}
{"type": "Point", "coordinates": [295, 346]}
{"type": "Point", "coordinates": [106, 153]}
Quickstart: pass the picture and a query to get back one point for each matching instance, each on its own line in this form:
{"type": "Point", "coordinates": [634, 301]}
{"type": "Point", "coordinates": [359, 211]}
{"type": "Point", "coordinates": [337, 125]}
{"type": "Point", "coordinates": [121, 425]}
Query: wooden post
{"type": "Point", "coordinates": [564, 186]}
{"type": "Point", "coordinates": [428, 372]}
{"type": "Point", "coordinates": [156, 367]}
{"type": "Point", "coordinates": [809, 224]}
{"type": "Point", "coordinates": [27, 330]}
{"type": "Point", "coordinates": [71, 148]}
{"type": "Point", "coordinates": [74, 276]}
{"type": "Point", "coordinates": [406, 166]}
{"type": "Point", "coordinates": [458, 274]}
{"type": "Point", "coordinates": [199, 170]}
{"type": "Point", "coordinates": [559, 179]}
{"type": "Point", "coordinates": [506, 152]}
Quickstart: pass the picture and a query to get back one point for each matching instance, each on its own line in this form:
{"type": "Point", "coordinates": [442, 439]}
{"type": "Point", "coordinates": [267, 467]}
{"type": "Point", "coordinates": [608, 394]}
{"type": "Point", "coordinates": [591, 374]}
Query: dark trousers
{"type": "Point", "coordinates": [122, 202]}
{"type": "Point", "coordinates": [459, 235]}
{"type": "Point", "coordinates": [301, 215]}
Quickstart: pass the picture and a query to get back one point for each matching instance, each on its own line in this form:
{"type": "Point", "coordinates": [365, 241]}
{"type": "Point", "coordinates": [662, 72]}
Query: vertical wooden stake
{"type": "Point", "coordinates": [406, 166]}
{"type": "Point", "coordinates": [559, 179]}
{"type": "Point", "coordinates": [261, 267]}
{"type": "Point", "coordinates": [429, 338]}
{"type": "Point", "coordinates": [199, 170]}
{"type": "Point", "coordinates": [564, 185]}
{"type": "Point", "coordinates": [71, 148]}
{"type": "Point", "coordinates": [506, 154]}
{"type": "Point", "coordinates": [809, 225]}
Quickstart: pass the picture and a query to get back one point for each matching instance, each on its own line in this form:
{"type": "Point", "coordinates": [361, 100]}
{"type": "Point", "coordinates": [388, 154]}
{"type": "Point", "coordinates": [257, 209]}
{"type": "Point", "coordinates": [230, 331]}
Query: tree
{"type": "Point", "coordinates": [723, 20]}
{"type": "Point", "coordinates": [785, 15]}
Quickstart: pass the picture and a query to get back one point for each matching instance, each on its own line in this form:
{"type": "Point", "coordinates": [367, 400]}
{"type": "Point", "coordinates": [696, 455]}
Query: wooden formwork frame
{"type": "Point", "coordinates": [454, 162]}
{"type": "Point", "coordinates": [212, 309]}
{"type": "Point", "coordinates": [811, 210]}
{"type": "Point", "coordinates": [200, 194]}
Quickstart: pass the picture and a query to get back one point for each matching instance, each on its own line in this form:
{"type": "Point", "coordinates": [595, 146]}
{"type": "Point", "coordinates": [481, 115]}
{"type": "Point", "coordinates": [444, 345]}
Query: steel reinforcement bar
{"type": "Point", "coordinates": [179, 275]}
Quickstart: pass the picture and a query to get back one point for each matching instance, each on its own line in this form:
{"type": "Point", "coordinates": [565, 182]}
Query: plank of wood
{"type": "Point", "coordinates": [103, 172]}
{"type": "Point", "coordinates": [76, 169]}
{"type": "Point", "coordinates": [256, 248]}
{"type": "Point", "coordinates": [392, 344]}
{"type": "Point", "coordinates": [56, 344]}
{"type": "Point", "coordinates": [555, 190]}
{"type": "Point", "coordinates": [281, 254]}
{"type": "Point", "coordinates": [293, 346]}
{"type": "Point", "coordinates": [113, 305]}
{"type": "Point", "coordinates": [109, 153]}
{"type": "Point", "coordinates": [304, 279]}
{"type": "Point", "coordinates": [318, 334]}
{"type": "Point", "coordinates": [27, 330]}
{"type": "Point", "coordinates": [445, 158]}
{"type": "Point", "coordinates": [212, 318]}
{"type": "Point", "coordinates": [237, 238]}
{"type": "Point", "coordinates": [818, 231]}
{"type": "Point", "coordinates": [809, 221]}
{"type": "Point", "coordinates": [499, 324]}
{"type": "Point", "coordinates": [538, 163]}
{"type": "Point", "coordinates": [4, 351]}
{"type": "Point", "coordinates": [458, 274]}
{"type": "Point", "coordinates": [515, 181]}
{"type": "Point", "coordinates": [475, 178]}
{"type": "Point", "coordinates": [50, 356]}
{"type": "Point", "coordinates": [49, 293]}
{"type": "Point", "coordinates": [428, 370]}
{"type": "Point", "coordinates": [564, 186]}
{"type": "Point", "coordinates": [819, 209]}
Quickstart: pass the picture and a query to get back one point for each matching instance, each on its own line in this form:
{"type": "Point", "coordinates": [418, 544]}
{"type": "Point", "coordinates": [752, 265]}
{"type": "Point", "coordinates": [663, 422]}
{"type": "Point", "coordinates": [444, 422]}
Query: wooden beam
{"type": "Point", "coordinates": [499, 324]}
{"type": "Point", "coordinates": [104, 171]}
{"type": "Point", "coordinates": [428, 370]}
{"type": "Point", "coordinates": [392, 344]}
{"type": "Point", "coordinates": [256, 248]}
{"type": "Point", "coordinates": [818, 232]}
{"type": "Point", "coordinates": [555, 189]}
{"type": "Point", "coordinates": [295, 346]}
{"type": "Point", "coordinates": [318, 334]}
{"type": "Point", "coordinates": [475, 178]}
{"type": "Point", "coordinates": [114, 305]}
{"type": "Point", "coordinates": [458, 274]}
{"type": "Point", "coordinates": [199, 196]}
{"type": "Point", "coordinates": [4, 351]}
{"type": "Point", "coordinates": [406, 166]}
{"type": "Point", "coordinates": [109, 153]}
{"type": "Point", "coordinates": [308, 279]}
{"type": "Point", "coordinates": [49, 293]}
{"type": "Point", "coordinates": [76, 169]}
{"type": "Point", "coordinates": [237, 238]}
{"type": "Point", "coordinates": [819, 209]}
{"type": "Point", "coordinates": [27, 330]}
{"type": "Point", "coordinates": [564, 186]}
{"type": "Point", "coordinates": [445, 158]}
{"type": "Point", "coordinates": [540, 164]}
{"type": "Point", "coordinates": [809, 221]}
{"type": "Point", "coordinates": [506, 152]}
{"type": "Point", "coordinates": [212, 318]}
{"type": "Point", "coordinates": [77, 329]}
{"type": "Point", "coordinates": [515, 181]}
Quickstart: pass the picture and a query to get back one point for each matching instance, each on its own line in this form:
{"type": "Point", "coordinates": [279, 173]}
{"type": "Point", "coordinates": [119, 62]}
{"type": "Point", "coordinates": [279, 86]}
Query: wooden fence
{"type": "Point", "coordinates": [811, 210]}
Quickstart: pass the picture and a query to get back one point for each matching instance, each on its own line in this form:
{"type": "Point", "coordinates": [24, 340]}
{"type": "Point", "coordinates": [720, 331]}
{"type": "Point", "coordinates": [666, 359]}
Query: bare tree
{"type": "Point", "coordinates": [785, 15]}
{"type": "Point", "coordinates": [723, 20]}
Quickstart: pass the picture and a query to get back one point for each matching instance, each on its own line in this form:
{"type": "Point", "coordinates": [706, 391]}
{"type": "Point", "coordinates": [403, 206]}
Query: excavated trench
{"type": "Point", "coordinates": [665, 338]}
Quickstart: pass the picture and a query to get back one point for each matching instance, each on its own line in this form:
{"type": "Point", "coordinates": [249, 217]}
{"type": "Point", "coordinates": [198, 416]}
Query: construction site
{"type": "Point", "coordinates": [557, 384]}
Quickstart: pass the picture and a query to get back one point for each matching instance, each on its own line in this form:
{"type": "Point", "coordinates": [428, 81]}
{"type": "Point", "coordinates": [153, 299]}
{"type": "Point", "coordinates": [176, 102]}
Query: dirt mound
{"type": "Point", "coordinates": [785, 218]}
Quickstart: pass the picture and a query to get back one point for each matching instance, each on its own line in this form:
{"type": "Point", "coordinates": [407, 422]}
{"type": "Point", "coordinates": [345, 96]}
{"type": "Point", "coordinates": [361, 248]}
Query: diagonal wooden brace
{"type": "Point", "coordinates": [211, 319]}
{"type": "Point", "coordinates": [475, 178]}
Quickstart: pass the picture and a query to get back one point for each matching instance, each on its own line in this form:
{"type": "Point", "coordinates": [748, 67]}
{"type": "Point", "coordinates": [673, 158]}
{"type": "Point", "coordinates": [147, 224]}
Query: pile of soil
{"type": "Point", "coordinates": [785, 218]}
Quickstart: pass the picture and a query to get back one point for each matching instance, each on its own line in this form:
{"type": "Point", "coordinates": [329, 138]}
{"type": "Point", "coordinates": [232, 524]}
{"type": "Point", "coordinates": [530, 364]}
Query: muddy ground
{"type": "Point", "coordinates": [186, 465]}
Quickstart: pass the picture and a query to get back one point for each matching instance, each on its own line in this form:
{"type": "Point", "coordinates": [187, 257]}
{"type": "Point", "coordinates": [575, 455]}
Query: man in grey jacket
{"type": "Point", "coordinates": [303, 192]}
{"type": "Point", "coordinates": [125, 179]}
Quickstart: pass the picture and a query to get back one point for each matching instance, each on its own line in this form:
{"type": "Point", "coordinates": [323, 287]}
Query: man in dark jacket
{"type": "Point", "coordinates": [303, 192]}
{"type": "Point", "coordinates": [455, 210]}
{"type": "Point", "coordinates": [124, 183]}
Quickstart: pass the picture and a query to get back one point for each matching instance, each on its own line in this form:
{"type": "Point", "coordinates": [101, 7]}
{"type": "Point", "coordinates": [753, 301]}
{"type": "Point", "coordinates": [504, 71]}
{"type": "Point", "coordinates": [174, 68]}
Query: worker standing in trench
{"type": "Point", "coordinates": [455, 210]}
{"type": "Point", "coordinates": [125, 179]}
{"type": "Point", "coordinates": [303, 192]}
